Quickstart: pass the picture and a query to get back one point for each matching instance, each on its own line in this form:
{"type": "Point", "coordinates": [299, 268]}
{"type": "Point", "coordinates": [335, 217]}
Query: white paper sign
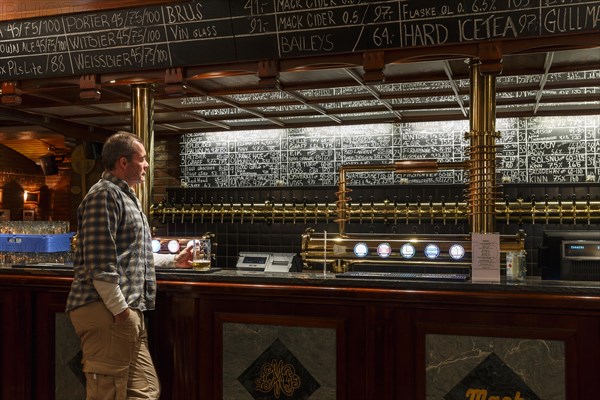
{"type": "Point", "coordinates": [486, 257]}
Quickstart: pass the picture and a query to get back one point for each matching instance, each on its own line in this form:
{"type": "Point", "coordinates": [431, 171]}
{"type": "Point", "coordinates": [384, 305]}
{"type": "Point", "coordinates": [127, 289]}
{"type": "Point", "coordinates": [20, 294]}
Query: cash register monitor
{"type": "Point", "coordinates": [570, 255]}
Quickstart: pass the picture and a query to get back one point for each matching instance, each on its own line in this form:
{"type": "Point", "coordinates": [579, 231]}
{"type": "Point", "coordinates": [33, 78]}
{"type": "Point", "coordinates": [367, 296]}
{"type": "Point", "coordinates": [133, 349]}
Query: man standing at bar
{"type": "Point", "coordinates": [115, 280]}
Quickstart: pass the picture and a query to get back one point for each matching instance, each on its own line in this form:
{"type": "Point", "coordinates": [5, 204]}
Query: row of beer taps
{"type": "Point", "coordinates": [569, 210]}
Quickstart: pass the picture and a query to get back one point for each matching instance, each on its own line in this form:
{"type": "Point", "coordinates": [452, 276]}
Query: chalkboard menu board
{"type": "Point", "coordinates": [531, 150]}
{"type": "Point", "coordinates": [217, 31]}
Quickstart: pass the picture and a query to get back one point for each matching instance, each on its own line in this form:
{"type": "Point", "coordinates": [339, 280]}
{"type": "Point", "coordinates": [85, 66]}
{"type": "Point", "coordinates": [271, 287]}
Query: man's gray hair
{"type": "Point", "coordinates": [120, 144]}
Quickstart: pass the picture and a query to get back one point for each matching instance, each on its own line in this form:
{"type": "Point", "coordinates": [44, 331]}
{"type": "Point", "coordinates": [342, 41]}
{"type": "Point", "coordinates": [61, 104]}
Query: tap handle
{"type": "Point", "coordinates": [587, 208]}
{"type": "Point", "coordinates": [456, 210]}
{"type": "Point", "coordinates": [533, 208]}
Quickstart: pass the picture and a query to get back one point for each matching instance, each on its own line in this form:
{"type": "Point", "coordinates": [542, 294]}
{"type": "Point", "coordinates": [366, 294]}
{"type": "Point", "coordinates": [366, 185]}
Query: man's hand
{"type": "Point", "coordinates": [122, 316]}
{"type": "Point", "coordinates": [184, 258]}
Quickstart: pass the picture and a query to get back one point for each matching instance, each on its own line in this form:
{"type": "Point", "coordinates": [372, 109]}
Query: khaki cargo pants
{"type": "Point", "coordinates": [116, 359]}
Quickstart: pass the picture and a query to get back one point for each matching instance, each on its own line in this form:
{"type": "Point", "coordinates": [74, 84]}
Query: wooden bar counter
{"type": "Point", "coordinates": [244, 335]}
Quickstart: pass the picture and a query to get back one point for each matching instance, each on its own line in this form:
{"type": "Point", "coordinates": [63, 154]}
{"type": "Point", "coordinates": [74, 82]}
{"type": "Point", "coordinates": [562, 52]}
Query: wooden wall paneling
{"type": "Point", "coordinates": [175, 342]}
{"type": "Point", "coordinates": [585, 357]}
{"type": "Point", "coordinates": [386, 350]}
{"type": "Point", "coordinates": [13, 346]}
{"type": "Point", "coordinates": [166, 167]}
{"type": "Point", "coordinates": [400, 354]}
{"type": "Point", "coordinates": [47, 303]}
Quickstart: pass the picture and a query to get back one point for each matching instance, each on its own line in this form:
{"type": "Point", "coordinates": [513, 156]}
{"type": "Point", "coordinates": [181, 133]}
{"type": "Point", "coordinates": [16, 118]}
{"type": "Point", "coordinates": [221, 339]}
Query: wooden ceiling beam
{"type": "Point", "coordinates": [66, 128]}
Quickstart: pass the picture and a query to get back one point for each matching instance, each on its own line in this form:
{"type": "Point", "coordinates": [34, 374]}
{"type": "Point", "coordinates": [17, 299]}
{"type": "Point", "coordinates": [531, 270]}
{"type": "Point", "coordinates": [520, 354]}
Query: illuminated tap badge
{"type": "Point", "coordinates": [384, 250]}
{"type": "Point", "coordinates": [155, 246]}
{"type": "Point", "coordinates": [361, 249]}
{"type": "Point", "coordinates": [432, 251]}
{"type": "Point", "coordinates": [173, 246]}
{"type": "Point", "coordinates": [407, 250]}
{"type": "Point", "coordinates": [456, 251]}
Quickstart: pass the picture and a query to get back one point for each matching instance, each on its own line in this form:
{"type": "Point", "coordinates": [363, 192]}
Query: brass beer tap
{"type": "Point", "coordinates": [533, 209]}
{"type": "Point", "coordinates": [294, 210]}
{"type": "Point", "coordinates": [360, 209]}
{"type": "Point", "coordinates": [444, 211]}
{"type": "Point", "coordinates": [242, 210]}
{"type": "Point", "coordinates": [588, 209]}
{"type": "Point", "coordinates": [304, 208]}
{"type": "Point", "coordinates": [560, 209]}
{"type": "Point", "coordinates": [212, 210]}
{"type": "Point", "coordinates": [222, 212]}
{"type": "Point", "coordinates": [546, 208]}
{"type": "Point", "coordinates": [431, 209]}
{"type": "Point", "coordinates": [283, 210]}
{"type": "Point", "coordinates": [372, 211]}
{"type": "Point", "coordinates": [201, 210]}
{"type": "Point", "coordinates": [574, 208]}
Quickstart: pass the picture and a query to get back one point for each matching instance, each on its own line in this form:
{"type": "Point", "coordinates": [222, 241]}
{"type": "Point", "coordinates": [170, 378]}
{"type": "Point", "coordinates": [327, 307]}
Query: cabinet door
{"type": "Point", "coordinates": [57, 362]}
{"type": "Point", "coordinates": [236, 347]}
{"type": "Point", "coordinates": [13, 351]}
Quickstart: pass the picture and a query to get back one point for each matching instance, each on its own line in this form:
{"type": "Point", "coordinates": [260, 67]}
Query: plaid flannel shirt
{"type": "Point", "coordinates": [114, 244]}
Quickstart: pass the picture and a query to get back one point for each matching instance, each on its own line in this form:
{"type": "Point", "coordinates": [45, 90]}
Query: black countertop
{"type": "Point", "coordinates": [314, 278]}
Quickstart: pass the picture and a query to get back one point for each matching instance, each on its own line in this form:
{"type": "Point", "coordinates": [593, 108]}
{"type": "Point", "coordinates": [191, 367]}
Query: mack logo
{"type": "Point", "coordinates": [482, 394]}
{"type": "Point", "coordinates": [492, 379]}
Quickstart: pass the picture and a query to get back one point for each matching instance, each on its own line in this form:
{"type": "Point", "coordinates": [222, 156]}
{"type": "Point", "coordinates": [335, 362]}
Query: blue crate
{"type": "Point", "coordinates": [36, 243]}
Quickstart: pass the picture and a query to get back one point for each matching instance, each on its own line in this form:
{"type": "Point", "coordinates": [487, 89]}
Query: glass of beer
{"type": "Point", "coordinates": [201, 255]}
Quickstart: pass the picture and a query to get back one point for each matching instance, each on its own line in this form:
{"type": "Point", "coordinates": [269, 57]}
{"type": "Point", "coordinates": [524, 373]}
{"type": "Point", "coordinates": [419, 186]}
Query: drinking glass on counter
{"type": "Point", "coordinates": [200, 255]}
{"type": "Point", "coordinates": [34, 227]}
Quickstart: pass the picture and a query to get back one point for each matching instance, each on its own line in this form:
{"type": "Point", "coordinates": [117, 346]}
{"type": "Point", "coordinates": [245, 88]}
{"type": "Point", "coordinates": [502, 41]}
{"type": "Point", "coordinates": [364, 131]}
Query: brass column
{"type": "Point", "coordinates": [482, 151]}
{"type": "Point", "coordinates": [142, 125]}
